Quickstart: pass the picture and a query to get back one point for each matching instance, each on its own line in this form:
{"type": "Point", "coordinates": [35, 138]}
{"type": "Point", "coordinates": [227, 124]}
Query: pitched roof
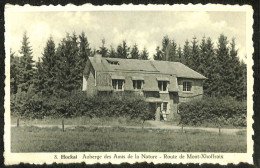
{"type": "Point", "coordinates": [145, 66]}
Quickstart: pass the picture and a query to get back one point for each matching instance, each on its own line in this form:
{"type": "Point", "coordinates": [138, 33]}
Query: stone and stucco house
{"type": "Point", "coordinates": [164, 84]}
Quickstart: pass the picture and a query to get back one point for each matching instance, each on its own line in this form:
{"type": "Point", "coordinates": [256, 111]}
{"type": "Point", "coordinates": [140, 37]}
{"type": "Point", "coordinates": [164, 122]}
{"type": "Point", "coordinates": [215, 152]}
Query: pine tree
{"type": "Point", "coordinates": [187, 53]}
{"type": "Point", "coordinates": [180, 55]}
{"type": "Point", "coordinates": [40, 84]}
{"type": "Point", "coordinates": [84, 50]}
{"type": "Point", "coordinates": [26, 65]}
{"type": "Point", "coordinates": [123, 50]}
{"type": "Point", "coordinates": [134, 52]}
{"type": "Point", "coordinates": [14, 72]}
{"type": "Point", "coordinates": [144, 54]}
{"type": "Point", "coordinates": [171, 52]}
{"type": "Point", "coordinates": [243, 85]}
{"type": "Point", "coordinates": [112, 52]}
{"type": "Point", "coordinates": [47, 68]}
{"type": "Point", "coordinates": [158, 55]}
{"type": "Point", "coordinates": [67, 74]}
{"type": "Point", "coordinates": [210, 86]}
{"type": "Point", "coordinates": [201, 60]}
{"type": "Point", "coordinates": [68, 78]}
{"type": "Point", "coordinates": [236, 80]}
{"type": "Point", "coordinates": [165, 43]}
{"type": "Point", "coordinates": [103, 50]}
{"type": "Point", "coordinates": [223, 68]}
{"type": "Point", "coordinates": [84, 53]}
{"type": "Point", "coordinates": [195, 61]}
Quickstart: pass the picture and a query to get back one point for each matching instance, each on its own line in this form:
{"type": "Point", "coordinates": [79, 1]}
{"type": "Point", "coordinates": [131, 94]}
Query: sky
{"type": "Point", "coordinates": [145, 28]}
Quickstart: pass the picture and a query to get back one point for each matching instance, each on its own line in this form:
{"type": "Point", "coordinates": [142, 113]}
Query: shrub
{"type": "Point", "coordinates": [31, 105]}
{"type": "Point", "coordinates": [216, 111]}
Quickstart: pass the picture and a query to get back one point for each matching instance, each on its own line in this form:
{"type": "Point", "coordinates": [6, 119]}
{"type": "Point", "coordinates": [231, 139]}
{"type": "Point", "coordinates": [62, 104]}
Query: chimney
{"type": "Point", "coordinates": [97, 58]}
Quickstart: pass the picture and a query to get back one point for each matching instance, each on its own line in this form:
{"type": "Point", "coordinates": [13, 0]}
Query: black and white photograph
{"type": "Point", "coordinates": [156, 83]}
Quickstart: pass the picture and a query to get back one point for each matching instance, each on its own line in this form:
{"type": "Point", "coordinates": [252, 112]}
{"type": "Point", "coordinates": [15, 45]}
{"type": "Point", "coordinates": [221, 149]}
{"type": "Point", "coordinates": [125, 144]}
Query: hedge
{"type": "Point", "coordinates": [213, 111]}
{"type": "Point", "coordinates": [30, 105]}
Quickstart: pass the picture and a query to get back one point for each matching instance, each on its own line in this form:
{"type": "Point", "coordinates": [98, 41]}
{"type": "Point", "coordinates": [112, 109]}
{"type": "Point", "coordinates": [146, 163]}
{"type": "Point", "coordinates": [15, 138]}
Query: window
{"type": "Point", "coordinates": [165, 106]}
{"type": "Point", "coordinates": [113, 62]}
{"type": "Point", "coordinates": [118, 84]}
{"type": "Point", "coordinates": [163, 85]}
{"type": "Point", "coordinates": [186, 86]}
{"type": "Point", "coordinates": [137, 84]}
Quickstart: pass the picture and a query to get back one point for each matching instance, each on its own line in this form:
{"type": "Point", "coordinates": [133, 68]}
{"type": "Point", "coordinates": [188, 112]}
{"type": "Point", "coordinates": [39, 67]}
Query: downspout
{"type": "Point", "coordinates": [95, 78]}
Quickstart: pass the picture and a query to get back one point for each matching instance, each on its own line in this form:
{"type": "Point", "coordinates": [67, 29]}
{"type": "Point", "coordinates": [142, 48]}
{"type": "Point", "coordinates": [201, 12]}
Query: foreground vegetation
{"type": "Point", "coordinates": [33, 139]}
{"type": "Point", "coordinates": [211, 111]}
{"type": "Point", "coordinates": [83, 120]}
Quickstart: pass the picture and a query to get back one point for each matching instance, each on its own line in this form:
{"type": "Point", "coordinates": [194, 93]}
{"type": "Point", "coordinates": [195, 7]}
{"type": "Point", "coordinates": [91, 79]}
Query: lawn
{"type": "Point", "coordinates": [94, 139]}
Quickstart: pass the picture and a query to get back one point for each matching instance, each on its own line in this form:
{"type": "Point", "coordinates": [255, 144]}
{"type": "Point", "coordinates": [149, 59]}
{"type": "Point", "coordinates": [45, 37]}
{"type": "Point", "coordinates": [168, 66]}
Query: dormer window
{"type": "Point", "coordinates": [118, 84]}
{"type": "Point", "coordinates": [163, 86]}
{"type": "Point", "coordinates": [113, 62]}
{"type": "Point", "coordinates": [138, 84]}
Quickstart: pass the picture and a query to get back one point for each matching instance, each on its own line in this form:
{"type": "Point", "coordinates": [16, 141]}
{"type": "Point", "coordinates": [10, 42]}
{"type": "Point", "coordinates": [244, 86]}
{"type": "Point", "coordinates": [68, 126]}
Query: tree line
{"type": "Point", "coordinates": [58, 72]}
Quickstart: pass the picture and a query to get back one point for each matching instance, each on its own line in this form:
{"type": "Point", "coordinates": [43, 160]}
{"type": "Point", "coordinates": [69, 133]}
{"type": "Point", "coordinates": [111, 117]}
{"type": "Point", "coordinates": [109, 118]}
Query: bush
{"type": "Point", "coordinates": [216, 111]}
{"type": "Point", "coordinates": [29, 105]}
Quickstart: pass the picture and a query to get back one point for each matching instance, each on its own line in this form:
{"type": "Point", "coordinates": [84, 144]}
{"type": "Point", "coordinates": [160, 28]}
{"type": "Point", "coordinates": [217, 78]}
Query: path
{"type": "Point", "coordinates": [163, 125]}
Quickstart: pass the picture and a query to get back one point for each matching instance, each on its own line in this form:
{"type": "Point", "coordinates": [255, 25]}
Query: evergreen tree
{"type": "Point", "coordinates": [210, 86]}
{"type": "Point", "coordinates": [123, 50]}
{"type": "Point", "coordinates": [223, 68]}
{"type": "Point", "coordinates": [103, 50]}
{"type": "Point", "coordinates": [78, 72]}
{"type": "Point", "coordinates": [195, 61]}
{"type": "Point", "coordinates": [14, 72]}
{"type": "Point", "coordinates": [84, 53]}
{"type": "Point", "coordinates": [47, 68]}
{"type": "Point", "coordinates": [112, 52]}
{"type": "Point", "coordinates": [68, 78]}
{"type": "Point", "coordinates": [180, 55]}
{"type": "Point", "coordinates": [201, 60]}
{"type": "Point", "coordinates": [67, 73]}
{"type": "Point", "coordinates": [135, 52]}
{"type": "Point", "coordinates": [26, 65]}
{"type": "Point", "coordinates": [165, 43]}
{"type": "Point", "coordinates": [40, 82]}
{"type": "Point", "coordinates": [158, 55]}
{"type": "Point", "coordinates": [171, 52]}
{"type": "Point", "coordinates": [236, 80]}
{"type": "Point", "coordinates": [144, 54]}
{"type": "Point", "coordinates": [243, 85]}
{"type": "Point", "coordinates": [187, 53]}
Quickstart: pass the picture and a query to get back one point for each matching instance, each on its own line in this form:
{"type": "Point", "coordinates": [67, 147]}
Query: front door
{"type": "Point", "coordinates": [164, 110]}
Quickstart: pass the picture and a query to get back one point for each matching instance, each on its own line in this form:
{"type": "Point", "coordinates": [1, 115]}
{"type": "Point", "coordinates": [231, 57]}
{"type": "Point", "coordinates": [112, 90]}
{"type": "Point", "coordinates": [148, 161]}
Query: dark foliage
{"type": "Point", "coordinates": [33, 105]}
{"type": "Point", "coordinates": [224, 111]}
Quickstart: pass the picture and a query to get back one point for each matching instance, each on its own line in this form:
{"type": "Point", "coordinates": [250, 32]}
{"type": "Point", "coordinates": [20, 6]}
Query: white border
{"type": "Point", "coordinates": [40, 158]}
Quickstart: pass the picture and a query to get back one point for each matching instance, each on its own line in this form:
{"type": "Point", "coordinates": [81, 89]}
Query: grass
{"type": "Point", "coordinates": [94, 139]}
{"type": "Point", "coordinates": [83, 120]}
{"type": "Point", "coordinates": [206, 125]}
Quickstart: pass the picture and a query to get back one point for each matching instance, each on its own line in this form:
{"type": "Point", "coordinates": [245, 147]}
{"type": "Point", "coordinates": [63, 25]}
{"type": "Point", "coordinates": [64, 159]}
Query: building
{"type": "Point", "coordinates": [164, 84]}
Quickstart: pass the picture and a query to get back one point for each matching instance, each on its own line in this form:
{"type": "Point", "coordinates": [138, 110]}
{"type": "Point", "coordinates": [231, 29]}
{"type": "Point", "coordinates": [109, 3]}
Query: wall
{"type": "Point", "coordinates": [91, 88]}
{"type": "Point", "coordinates": [104, 79]}
{"type": "Point", "coordinates": [196, 89]}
